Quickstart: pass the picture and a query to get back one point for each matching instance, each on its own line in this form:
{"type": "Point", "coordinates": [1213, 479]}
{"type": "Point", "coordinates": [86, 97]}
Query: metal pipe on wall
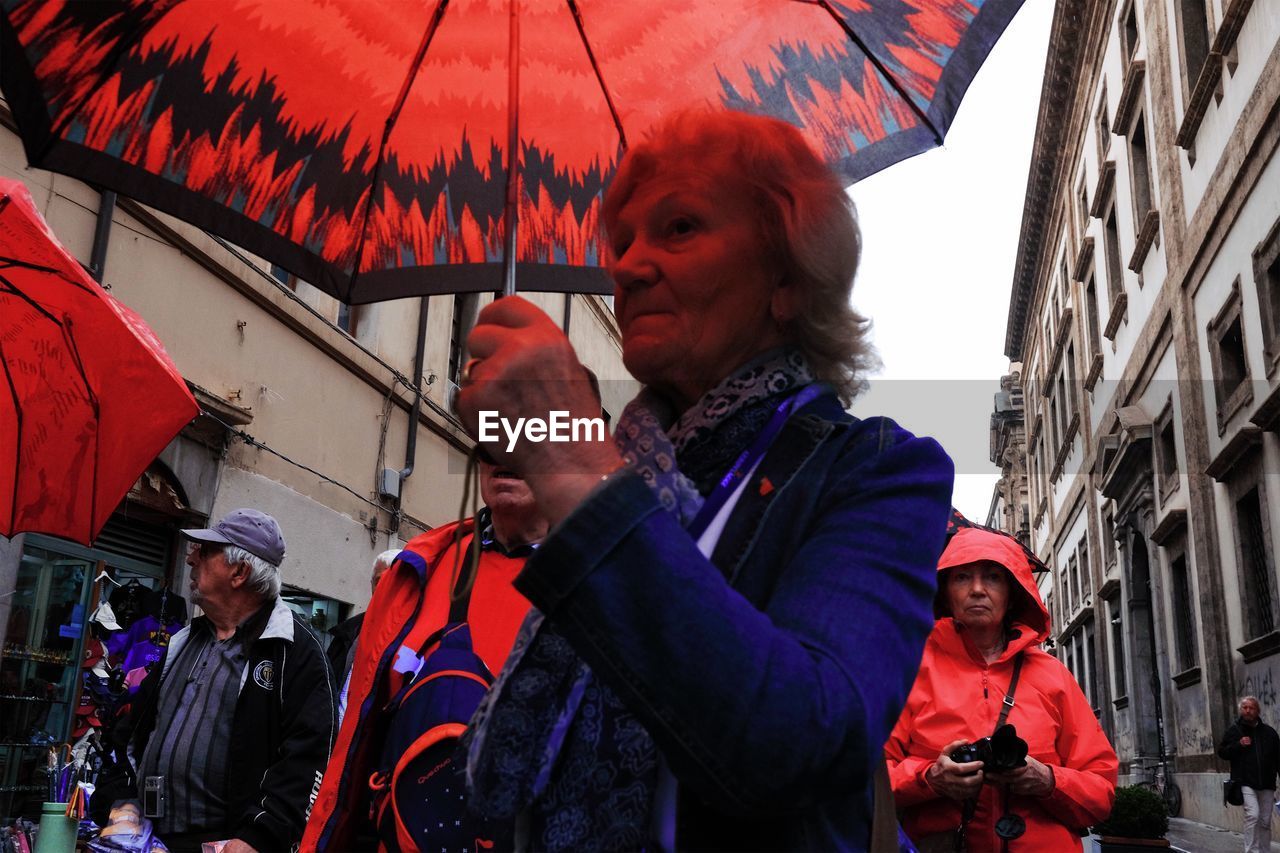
{"type": "Point", "coordinates": [102, 236]}
{"type": "Point", "coordinates": [419, 356]}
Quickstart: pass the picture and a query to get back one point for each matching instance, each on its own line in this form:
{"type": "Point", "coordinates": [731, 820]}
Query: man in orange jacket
{"type": "Point", "coordinates": [991, 622]}
{"type": "Point", "coordinates": [410, 603]}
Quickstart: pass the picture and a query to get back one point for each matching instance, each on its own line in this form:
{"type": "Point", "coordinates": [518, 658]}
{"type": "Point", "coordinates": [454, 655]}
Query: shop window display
{"type": "Point", "coordinates": [83, 627]}
{"type": "Point", "coordinates": [39, 669]}
{"type": "Point", "coordinates": [321, 613]}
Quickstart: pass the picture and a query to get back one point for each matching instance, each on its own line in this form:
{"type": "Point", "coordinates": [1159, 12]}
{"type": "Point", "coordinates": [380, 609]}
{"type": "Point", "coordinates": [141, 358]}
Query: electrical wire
{"type": "Point", "coordinates": [236, 432]}
{"type": "Point", "coordinates": [115, 223]}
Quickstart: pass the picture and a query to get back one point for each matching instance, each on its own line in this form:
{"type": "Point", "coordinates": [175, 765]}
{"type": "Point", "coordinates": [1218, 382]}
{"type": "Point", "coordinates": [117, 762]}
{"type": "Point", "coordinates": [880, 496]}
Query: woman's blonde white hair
{"type": "Point", "coordinates": [807, 222]}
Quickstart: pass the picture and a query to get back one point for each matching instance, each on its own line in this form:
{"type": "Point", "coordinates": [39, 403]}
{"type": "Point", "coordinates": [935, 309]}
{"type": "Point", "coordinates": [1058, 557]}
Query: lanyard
{"type": "Point", "coordinates": [749, 458]}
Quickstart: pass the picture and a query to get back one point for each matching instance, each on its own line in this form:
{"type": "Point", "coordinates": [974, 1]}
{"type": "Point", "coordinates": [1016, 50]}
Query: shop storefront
{"type": "Point", "coordinates": [54, 682]}
{"type": "Point", "coordinates": [81, 625]}
{"type": "Point", "coordinates": [57, 588]}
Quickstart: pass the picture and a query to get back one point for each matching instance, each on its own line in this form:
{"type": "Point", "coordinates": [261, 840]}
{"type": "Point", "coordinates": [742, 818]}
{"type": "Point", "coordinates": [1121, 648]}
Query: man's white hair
{"type": "Point", "coordinates": [386, 558]}
{"type": "Point", "coordinates": [264, 578]}
{"type": "Point", "coordinates": [1253, 699]}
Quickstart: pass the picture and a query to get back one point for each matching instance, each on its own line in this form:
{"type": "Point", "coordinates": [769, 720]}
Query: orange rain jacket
{"type": "Point", "coordinates": [958, 695]}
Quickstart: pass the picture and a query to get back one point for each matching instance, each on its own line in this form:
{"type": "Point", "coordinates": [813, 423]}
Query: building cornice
{"type": "Point", "coordinates": [1061, 80]}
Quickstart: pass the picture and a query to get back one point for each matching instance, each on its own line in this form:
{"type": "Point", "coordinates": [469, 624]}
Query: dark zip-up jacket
{"type": "Point", "coordinates": [285, 721]}
{"type": "Point", "coordinates": [1255, 765]}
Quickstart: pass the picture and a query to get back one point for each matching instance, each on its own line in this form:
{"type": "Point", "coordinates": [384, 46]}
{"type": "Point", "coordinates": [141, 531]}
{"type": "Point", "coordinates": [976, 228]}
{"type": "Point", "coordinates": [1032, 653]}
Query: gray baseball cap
{"type": "Point", "coordinates": [254, 531]}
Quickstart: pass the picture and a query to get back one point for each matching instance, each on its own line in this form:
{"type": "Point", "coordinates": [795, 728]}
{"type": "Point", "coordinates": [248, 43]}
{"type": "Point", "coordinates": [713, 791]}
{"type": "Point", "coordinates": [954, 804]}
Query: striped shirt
{"type": "Point", "coordinates": [197, 705]}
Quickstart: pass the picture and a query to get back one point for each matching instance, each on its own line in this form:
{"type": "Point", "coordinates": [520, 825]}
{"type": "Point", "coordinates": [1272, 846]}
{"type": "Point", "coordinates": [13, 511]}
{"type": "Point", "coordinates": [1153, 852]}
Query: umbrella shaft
{"type": "Point", "coordinates": [511, 212]}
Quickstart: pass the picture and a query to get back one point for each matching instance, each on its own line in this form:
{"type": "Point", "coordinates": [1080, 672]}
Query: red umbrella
{"type": "Point", "coordinates": [88, 396]}
{"type": "Point", "coordinates": [363, 144]}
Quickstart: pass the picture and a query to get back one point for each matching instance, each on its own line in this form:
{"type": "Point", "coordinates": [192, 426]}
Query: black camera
{"type": "Point", "coordinates": [1003, 751]}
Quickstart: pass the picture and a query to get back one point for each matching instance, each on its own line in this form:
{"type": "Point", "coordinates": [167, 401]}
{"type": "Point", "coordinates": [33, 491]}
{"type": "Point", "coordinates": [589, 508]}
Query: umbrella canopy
{"type": "Point", "coordinates": [364, 144]}
{"type": "Point", "coordinates": [87, 395]}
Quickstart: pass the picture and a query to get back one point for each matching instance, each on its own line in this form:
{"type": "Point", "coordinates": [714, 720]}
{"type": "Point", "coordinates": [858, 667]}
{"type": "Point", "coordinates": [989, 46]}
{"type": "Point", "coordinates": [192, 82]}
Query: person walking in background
{"type": "Point", "coordinates": [343, 647]}
{"type": "Point", "coordinates": [1253, 748]}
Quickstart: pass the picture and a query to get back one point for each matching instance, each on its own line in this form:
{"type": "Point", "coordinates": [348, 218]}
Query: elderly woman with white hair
{"type": "Point", "coordinates": [342, 646]}
{"type": "Point", "coordinates": [733, 599]}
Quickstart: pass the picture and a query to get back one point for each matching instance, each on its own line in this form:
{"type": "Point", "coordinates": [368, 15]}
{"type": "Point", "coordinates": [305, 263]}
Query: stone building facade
{"type": "Point", "coordinates": [1010, 503]}
{"type": "Point", "coordinates": [1145, 314]}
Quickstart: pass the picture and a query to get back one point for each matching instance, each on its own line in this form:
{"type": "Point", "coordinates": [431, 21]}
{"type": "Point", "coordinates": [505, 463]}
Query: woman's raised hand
{"type": "Point", "coordinates": [523, 372]}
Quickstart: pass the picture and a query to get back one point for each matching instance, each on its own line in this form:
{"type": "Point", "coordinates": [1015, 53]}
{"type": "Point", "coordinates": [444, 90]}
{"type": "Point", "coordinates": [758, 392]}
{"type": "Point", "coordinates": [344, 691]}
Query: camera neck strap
{"type": "Point", "coordinates": [1008, 696]}
{"type": "Point", "coordinates": [970, 807]}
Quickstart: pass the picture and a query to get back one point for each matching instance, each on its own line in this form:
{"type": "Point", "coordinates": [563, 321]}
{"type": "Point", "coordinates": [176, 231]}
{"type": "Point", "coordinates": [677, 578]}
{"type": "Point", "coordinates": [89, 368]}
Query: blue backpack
{"type": "Point", "coordinates": [419, 790]}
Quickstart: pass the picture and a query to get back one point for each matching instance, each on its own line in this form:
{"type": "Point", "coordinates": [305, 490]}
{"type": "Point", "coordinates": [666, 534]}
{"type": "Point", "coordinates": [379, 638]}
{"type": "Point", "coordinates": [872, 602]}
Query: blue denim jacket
{"type": "Point", "coordinates": [771, 679]}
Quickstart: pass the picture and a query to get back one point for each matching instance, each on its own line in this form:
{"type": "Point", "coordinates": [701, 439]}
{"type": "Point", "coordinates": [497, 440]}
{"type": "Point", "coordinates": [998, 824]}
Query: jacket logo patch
{"type": "Point", "coordinates": [264, 674]}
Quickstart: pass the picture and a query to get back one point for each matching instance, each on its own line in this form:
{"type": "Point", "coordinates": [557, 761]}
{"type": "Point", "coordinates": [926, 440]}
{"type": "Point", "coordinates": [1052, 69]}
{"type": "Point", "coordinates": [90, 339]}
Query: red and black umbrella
{"type": "Point", "coordinates": [364, 144]}
{"type": "Point", "coordinates": [88, 396]}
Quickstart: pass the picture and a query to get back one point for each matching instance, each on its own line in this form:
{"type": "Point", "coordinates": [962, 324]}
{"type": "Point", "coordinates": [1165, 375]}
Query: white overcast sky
{"type": "Point", "coordinates": [940, 235]}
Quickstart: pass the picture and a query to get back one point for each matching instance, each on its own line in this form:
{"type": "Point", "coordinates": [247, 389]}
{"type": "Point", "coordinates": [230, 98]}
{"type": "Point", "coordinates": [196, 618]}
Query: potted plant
{"type": "Point", "coordinates": [1137, 823]}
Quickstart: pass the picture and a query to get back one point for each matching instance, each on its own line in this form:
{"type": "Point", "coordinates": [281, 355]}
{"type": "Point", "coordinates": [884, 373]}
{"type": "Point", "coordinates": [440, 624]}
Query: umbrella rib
{"type": "Point", "coordinates": [64, 325]}
{"type": "Point", "coordinates": [17, 447]}
{"type": "Point", "coordinates": [392, 117]}
{"type": "Point", "coordinates": [884, 72]}
{"type": "Point", "coordinates": [17, 291]}
{"type": "Point", "coordinates": [595, 66]}
{"type": "Point", "coordinates": [7, 263]}
{"type": "Point", "coordinates": [97, 417]}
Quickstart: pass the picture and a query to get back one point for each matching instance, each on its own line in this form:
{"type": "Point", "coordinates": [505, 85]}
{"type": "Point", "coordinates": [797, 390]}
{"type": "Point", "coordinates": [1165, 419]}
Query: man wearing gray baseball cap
{"type": "Point", "coordinates": [236, 723]}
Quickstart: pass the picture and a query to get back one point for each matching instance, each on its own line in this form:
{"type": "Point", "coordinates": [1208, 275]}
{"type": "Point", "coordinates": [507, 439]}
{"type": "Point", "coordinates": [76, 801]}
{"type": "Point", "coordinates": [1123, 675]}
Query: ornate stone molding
{"type": "Point", "coordinates": [1146, 237]}
{"type": "Point", "coordinates": [1061, 79]}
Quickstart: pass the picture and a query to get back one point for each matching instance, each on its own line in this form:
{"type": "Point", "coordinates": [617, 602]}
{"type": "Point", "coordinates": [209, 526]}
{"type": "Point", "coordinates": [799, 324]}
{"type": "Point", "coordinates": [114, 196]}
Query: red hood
{"type": "Point", "coordinates": [973, 545]}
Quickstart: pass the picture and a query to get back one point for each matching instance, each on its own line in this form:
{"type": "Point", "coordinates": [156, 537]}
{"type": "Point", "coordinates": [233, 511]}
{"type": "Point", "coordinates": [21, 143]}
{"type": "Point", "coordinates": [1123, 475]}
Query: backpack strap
{"type": "Point", "coordinates": [457, 613]}
{"type": "Point", "coordinates": [460, 598]}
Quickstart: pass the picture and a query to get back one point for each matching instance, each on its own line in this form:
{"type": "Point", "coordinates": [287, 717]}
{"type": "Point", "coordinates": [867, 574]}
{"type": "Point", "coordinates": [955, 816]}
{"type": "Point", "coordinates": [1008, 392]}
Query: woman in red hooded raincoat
{"type": "Point", "coordinates": [990, 613]}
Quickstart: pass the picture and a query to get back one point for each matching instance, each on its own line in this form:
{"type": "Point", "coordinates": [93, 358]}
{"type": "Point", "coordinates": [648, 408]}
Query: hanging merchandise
{"type": "Point", "coordinates": [129, 603]}
{"type": "Point", "coordinates": [105, 616]}
{"type": "Point", "coordinates": [101, 681]}
{"type": "Point", "coordinates": [143, 644]}
{"type": "Point", "coordinates": [18, 838]}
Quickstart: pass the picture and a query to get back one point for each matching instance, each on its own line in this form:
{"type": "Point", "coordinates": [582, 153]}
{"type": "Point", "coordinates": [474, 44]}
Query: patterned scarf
{"type": "Point", "coordinates": [551, 738]}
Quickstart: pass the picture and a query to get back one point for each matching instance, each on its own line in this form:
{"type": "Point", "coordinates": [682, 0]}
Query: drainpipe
{"type": "Point", "coordinates": [102, 236]}
{"type": "Point", "coordinates": [392, 480]}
